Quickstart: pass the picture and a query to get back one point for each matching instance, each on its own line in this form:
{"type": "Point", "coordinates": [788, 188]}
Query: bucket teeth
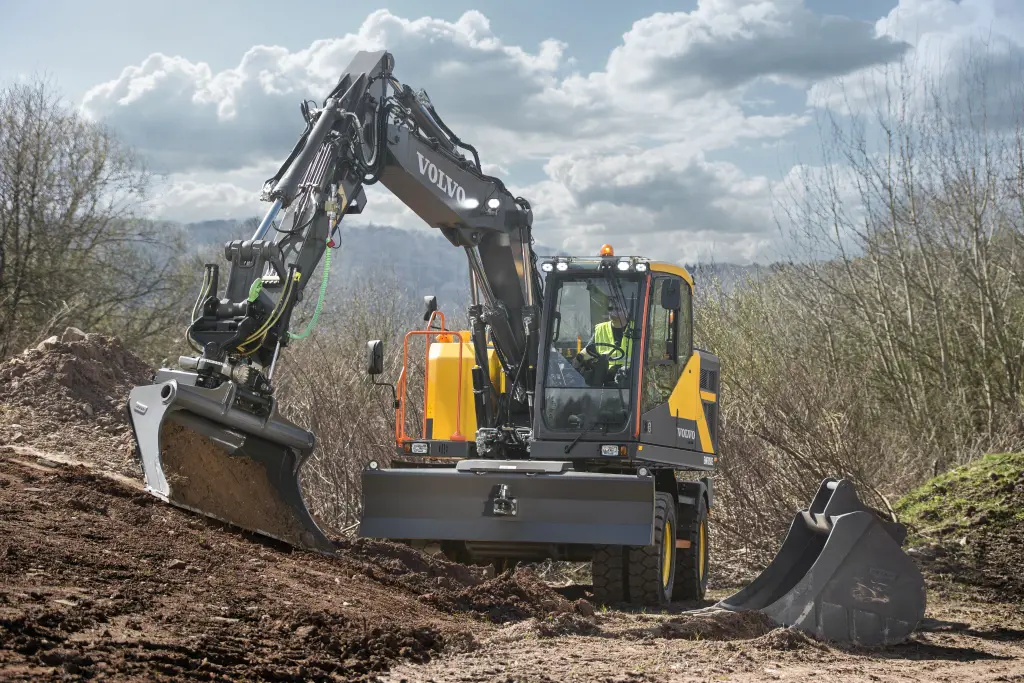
{"type": "Point", "coordinates": [840, 575]}
{"type": "Point", "coordinates": [200, 453]}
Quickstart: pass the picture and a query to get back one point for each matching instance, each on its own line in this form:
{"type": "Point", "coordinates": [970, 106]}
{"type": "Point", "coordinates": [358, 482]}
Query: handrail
{"type": "Point", "coordinates": [443, 334]}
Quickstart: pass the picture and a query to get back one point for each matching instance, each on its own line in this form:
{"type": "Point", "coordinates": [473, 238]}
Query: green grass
{"type": "Point", "coordinates": [986, 494]}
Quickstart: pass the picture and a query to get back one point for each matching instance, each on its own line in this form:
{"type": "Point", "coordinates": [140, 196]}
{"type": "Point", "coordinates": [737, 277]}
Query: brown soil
{"type": "Point", "coordinates": [69, 397]}
{"type": "Point", "coordinates": [194, 466]}
{"type": "Point", "coordinates": [99, 580]}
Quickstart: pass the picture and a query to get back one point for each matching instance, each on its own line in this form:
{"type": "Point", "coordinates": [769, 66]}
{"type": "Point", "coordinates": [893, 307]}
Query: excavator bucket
{"type": "Point", "coordinates": [840, 575]}
{"type": "Point", "coordinates": [201, 453]}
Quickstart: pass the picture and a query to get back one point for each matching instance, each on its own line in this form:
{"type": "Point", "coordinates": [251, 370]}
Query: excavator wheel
{"type": "Point", "coordinates": [692, 562]}
{"type": "Point", "coordinates": [608, 568]}
{"type": "Point", "coordinates": [652, 568]}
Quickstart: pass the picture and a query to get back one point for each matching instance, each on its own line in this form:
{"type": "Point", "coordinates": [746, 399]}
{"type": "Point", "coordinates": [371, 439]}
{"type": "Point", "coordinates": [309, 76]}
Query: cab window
{"type": "Point", "coordinates": [670, 341]}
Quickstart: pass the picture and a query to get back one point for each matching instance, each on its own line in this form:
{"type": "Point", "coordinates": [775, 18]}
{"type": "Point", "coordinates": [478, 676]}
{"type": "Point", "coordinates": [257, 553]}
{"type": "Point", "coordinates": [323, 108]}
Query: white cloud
{"type": "Point", "coordinates": [954, 42]}
{"type": "Point", "coordinates": [625, 145]}
{"type": "Point", "coordinates": [663, 203]}
{"type": "Point", "coordinates": [187, 200]}
{"type": "Point", "coordinates": [725, 44]}
{"type": "Point", "coordinates": [672, 78]}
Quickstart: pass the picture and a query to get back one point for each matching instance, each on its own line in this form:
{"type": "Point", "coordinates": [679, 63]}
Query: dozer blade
{"type": "Point", "coordinates": [840, 575]}
{"type": "Point", "coordinates": [508, 501]}
{"type": "Point", "coordinates": [201, 453]}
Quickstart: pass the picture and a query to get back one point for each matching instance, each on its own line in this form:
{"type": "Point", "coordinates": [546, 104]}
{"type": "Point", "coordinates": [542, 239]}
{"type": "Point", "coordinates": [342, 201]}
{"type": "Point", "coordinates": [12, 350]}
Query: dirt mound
{"type": "Point", "coordinates": [787, 639]}
{"type": "Point", "coordinates": [511, 596]}
{"type": "Point", "coordinates": [709, 624]}
{"type": "Point", "coordinates": [967, 525]}
{"type": "Point", "coordinates": [403, 566]}
{"type": "Point", "coordinates": [68, 395]}
{"type": "Point", "coordinates": [97, 577]}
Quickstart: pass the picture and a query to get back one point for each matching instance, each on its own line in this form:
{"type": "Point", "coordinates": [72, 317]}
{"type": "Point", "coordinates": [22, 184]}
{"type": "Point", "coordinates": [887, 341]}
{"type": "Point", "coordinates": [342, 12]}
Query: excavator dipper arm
{"type": "Point", "coordinates": [210, 436]}
{"type": "Point", "coordinates": [360, 136]}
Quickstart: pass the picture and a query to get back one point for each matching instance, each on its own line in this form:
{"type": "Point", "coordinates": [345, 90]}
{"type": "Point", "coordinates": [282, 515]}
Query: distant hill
{"type": "Point", "coordinates": [417, 262]}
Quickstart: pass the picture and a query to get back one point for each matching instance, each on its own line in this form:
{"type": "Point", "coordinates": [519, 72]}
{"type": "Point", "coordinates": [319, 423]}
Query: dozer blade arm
{"type": "Point", "coordinates": [840, 574]}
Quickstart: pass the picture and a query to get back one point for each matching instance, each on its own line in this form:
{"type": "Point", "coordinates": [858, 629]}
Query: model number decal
{"type": "Point", "coordinates": [709, 460]}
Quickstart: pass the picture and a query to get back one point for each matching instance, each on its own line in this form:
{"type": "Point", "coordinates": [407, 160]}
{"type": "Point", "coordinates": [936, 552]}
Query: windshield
{"type": "Point", "coordinates": [590, 353]}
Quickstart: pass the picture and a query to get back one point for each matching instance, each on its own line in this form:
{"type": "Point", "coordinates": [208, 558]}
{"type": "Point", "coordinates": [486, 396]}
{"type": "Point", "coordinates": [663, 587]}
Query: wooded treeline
{"type": "Point", "coordinates": [74, 249]}
{"type": "Point", "coordinates": [892, 346]}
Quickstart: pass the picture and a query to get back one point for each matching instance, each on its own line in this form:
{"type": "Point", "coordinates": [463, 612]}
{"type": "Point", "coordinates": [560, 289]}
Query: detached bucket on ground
{"type": "Point", "coordinates": [840, 575]}
{"type": "Point", "coordinates": [201, 453]}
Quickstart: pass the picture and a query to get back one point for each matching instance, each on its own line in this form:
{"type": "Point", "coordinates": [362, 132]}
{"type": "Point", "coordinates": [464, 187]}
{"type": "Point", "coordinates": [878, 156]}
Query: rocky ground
{"type": "Point", "coordinates": [100, 581]}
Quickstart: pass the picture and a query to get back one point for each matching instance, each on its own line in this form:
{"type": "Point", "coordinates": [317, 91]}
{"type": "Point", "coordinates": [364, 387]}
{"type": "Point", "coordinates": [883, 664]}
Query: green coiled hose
{"type": "Point", "coordinates": [319, 300]}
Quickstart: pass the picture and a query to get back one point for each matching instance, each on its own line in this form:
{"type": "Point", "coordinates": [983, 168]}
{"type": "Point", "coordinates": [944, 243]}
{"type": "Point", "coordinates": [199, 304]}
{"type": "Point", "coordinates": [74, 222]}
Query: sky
{"type": "Point", "coordinates": [663, 128]}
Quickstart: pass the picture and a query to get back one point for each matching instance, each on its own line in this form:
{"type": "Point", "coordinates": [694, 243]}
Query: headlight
{"type": "Point", "coordinates": [641, 267]}
{"type": "Point", "coordinates": [609, 449]}
{"type": "Point", "coordinates": [623, 265]}
{"type": "Point", "coordinates": [547, 267]}
{"type": "Point", "coordinates": [562, 265]}
{"type": "Point", "coordinates": [420, 448]}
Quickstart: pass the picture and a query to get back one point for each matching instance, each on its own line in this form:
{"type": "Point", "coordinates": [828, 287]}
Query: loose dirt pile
{"type": "Point", "coordinates": [100, 578]}
{"type": "Point", "coordinates": [68, 395]}
{"type": "Point", "coordinates": [967, 525]}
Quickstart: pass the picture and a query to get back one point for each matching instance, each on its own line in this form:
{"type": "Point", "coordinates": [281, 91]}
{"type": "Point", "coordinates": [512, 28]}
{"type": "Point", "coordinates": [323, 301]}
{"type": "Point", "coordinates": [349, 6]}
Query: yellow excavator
{"type": "Point", "coordinates": [573, 420]}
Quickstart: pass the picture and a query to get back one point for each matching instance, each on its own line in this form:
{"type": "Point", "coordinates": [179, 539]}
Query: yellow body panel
{"type": "Point", "coordinates": [686, 401]}
{"type": "Point", "coordinates": [443, 387]}
{"type": "Point", "coordinates": [658, 267]}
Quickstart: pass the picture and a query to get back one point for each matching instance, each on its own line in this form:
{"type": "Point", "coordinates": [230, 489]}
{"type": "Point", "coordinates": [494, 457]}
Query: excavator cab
{"type": "Point", "coordinates": [603, 457]}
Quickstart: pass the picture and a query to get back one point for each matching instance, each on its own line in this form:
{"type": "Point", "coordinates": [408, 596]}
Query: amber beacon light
{"type": "Point", "coordinates": [606, 250]}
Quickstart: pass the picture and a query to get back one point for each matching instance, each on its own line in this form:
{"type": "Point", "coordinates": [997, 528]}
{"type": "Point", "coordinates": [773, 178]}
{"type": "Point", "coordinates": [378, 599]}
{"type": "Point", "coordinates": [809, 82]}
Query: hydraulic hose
{"type": "Point", "coordinates": [319, 300]}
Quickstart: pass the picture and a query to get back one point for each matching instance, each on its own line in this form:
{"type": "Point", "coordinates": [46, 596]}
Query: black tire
{"type": "Point", "coordinates": [652, 568]}
{"type": "Point", "coordinates": [691, 580]}
{"type": "Point", "coordinates": [455, 551]}
{"type": "Point", "coordinates": [608, 568]}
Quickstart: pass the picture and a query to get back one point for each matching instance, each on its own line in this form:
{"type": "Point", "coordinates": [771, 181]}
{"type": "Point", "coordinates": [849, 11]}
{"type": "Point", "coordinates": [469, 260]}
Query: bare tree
{"type": "Point", "coordinates": [890, 346]}
{"type": "Point", "coordinates": [73, 249]}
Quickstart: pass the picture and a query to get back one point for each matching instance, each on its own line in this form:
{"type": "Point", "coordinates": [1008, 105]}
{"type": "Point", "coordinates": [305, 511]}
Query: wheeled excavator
{"type": "Point", "coordinates": [573, 420]}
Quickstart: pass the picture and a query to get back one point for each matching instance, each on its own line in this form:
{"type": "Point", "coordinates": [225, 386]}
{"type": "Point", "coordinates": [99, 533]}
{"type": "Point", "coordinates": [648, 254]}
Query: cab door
{"type": "Point", "coordinates": [668, 348]}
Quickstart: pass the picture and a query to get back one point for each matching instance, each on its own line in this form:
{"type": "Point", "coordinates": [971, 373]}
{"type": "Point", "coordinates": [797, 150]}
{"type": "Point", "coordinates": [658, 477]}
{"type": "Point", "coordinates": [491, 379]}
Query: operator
{"type": "Point", "coordinates": [612, 333]}
{"type": "Point", "coordinates": [612, 342]}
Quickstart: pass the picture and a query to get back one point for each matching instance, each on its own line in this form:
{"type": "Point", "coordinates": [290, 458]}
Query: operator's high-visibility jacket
{"type": "Point", "coordinates": [604, 334]}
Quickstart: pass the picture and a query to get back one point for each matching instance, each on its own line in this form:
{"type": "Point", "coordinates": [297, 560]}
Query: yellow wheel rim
{"type": "Point", "coordinates": [666, 551]}
{"type": "Point", "coordinates": [700, 551]}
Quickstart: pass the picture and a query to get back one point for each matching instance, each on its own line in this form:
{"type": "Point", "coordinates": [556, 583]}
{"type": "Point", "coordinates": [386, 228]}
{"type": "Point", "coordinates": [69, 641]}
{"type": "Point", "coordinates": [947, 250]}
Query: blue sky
{"type": "Point", "coordinates": [664, 133]}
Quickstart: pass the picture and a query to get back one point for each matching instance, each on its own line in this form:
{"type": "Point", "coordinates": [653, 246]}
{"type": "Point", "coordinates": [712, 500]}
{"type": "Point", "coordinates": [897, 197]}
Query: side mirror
{"type": "Point", "coordinates": [375, 357]}
{"type": "Point", "coordinates": [431, 305]}
{"type": "Point", "coordinates": [670, 296]}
